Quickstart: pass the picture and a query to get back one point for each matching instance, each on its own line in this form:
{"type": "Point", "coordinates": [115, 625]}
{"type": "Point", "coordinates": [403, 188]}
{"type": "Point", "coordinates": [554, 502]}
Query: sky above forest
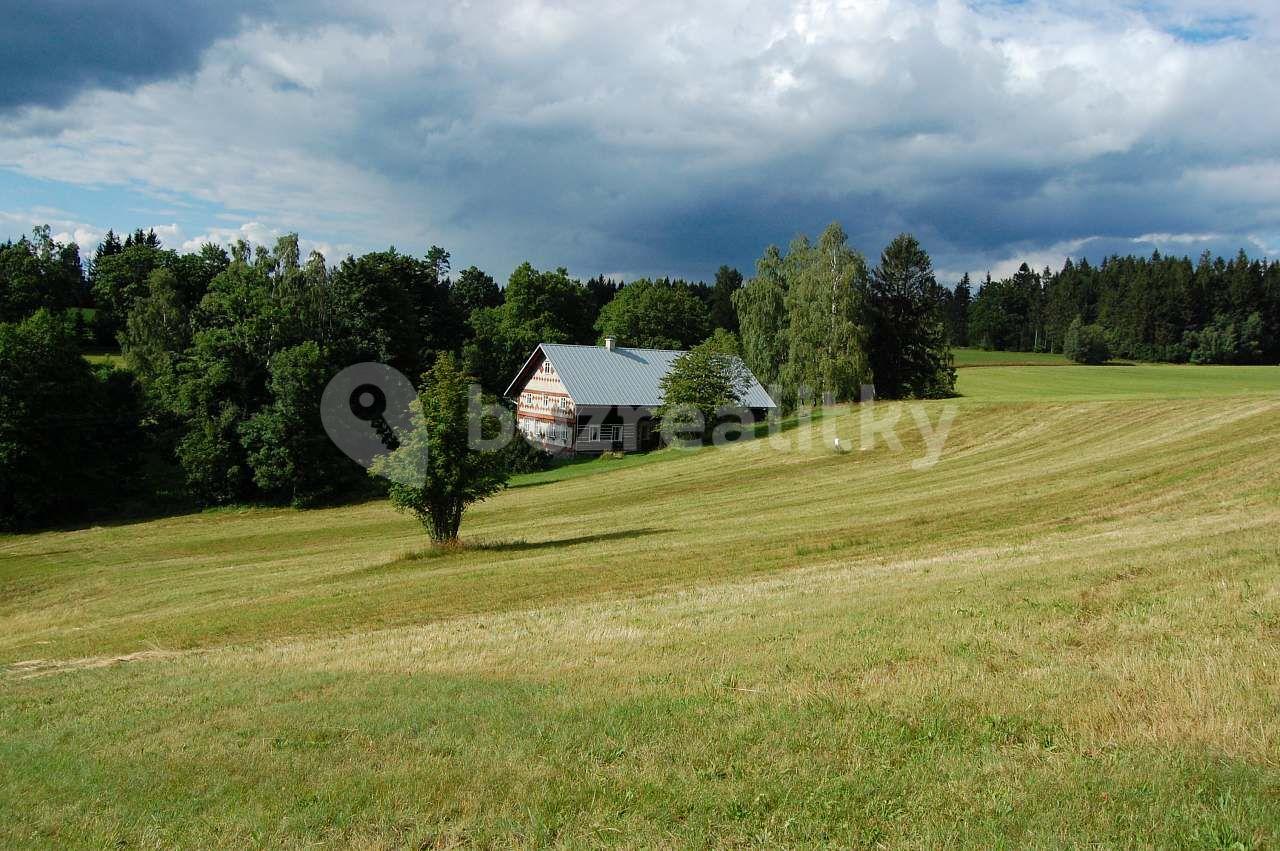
{"type": "Point", "coordinates": [649, 138]}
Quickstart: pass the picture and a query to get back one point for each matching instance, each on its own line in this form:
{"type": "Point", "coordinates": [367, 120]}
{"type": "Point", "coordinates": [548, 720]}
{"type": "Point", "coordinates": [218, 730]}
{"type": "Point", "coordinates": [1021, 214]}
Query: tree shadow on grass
{"type": "Point", "coordinates": [537, 484]}
{"type": "Point", "coordinates": [442, 555]}
{"type": "Point", "coordinates": [521, 545]}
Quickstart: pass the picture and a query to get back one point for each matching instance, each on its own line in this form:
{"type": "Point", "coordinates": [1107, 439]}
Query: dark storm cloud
{"type": "Point", "coordinates": [50, 51]}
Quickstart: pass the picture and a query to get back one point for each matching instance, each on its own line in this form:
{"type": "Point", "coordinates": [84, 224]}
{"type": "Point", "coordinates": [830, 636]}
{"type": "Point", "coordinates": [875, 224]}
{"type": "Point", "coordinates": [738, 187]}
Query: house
{"type": "Point", "coordinates": [585, 399]}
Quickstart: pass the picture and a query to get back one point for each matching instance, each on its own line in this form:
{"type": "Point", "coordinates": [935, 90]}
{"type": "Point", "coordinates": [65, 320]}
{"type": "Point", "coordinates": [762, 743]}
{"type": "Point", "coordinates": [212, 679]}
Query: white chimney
{"type": "Point", "coordinates": [610, 342]}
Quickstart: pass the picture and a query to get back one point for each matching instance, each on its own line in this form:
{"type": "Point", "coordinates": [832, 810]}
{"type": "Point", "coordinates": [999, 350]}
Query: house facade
{"type": "Point", "coordinates": [589, 399]}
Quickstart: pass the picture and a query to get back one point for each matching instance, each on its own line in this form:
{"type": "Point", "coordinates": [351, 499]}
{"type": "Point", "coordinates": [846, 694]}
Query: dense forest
{"type": "Point", "coordinates": [1156, 308]}
{"type": "Point", "coordinates": [220, 356]}
{"type": "Point", "coordinates": [223, 355]}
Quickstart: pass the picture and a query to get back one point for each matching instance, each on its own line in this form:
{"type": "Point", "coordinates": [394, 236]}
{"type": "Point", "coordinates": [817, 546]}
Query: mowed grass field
{"type": "Point", "coordinates": [1067, 632]}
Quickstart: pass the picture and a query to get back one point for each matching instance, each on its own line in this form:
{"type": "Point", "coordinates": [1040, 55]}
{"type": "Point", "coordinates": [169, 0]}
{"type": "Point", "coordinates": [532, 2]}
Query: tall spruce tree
{"type": "Point", "coordinates": [958, 312]}
{"type": "Point", "coordinates": [723, 315]}
{"type": "Point", "coordinates": [910, 356]}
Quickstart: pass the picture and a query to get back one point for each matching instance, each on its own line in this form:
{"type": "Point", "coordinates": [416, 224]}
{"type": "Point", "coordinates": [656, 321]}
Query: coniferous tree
{"type": "Point", "coordinates": [957, 312]}
{"type": "Point", "coordinates": [1156, 308]}
{"type": "Point", "coordinates": [723, 314]}
{"type": "Point", "coordinates": [110, 245]}
{"type": "Point", "coordinates": [909, 353]}
{"type": "Point", "coordinates": [601, 291]}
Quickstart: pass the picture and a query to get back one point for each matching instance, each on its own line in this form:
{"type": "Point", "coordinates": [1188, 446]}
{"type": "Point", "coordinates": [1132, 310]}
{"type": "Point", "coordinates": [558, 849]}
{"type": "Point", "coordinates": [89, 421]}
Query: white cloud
{"type": "Point", "coordinates": [1038, 259]}
{"type": "Point", "coordinates": [1177, 238]}
{"type": "Point", "coordinates": [65, 229]}
{"type": "Point", "coordinates": [255, 233]}
{"type": "Point", "coordinates": [63, 226]}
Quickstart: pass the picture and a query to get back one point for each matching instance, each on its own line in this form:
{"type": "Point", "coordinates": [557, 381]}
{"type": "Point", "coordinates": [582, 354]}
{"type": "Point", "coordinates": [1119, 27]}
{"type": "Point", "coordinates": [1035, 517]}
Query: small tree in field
{"type": "Point", "coordinates": [434, 473]}
{"type": "Point", "coordinates": [707, 378]}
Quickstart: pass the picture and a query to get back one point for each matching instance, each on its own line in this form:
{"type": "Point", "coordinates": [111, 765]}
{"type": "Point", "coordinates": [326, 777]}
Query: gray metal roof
{"type": "Point", "coordinates": [593, 375]}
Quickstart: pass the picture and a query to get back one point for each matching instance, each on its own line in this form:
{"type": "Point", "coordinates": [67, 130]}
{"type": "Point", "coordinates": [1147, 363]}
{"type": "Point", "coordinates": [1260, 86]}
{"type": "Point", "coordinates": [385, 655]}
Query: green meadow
{"type": "Point", "coordinates": [1064, 633]}
{"type": "Point", "coordinates": [1073, 383]}
{"type": "Point", "coordinates": [983, 357]}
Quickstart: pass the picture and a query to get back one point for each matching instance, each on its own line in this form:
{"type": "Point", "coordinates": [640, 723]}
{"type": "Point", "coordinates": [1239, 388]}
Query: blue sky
{"type": "Point", "coordinates": [647, 139]}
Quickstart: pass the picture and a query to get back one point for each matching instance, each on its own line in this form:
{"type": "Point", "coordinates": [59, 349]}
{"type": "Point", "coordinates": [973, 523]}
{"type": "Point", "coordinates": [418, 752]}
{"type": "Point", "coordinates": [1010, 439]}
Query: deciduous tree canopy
{"type": "Point", "coordinates": [707, 379]}
{"type": "Point", "coordinates": [657, 314]}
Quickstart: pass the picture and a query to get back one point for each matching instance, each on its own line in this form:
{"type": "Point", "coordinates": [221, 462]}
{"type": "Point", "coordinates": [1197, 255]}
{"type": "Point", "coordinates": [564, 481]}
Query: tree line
{"type": "Point", "coordinates": [226, 350]}
{"type": "Point", "coordinates": [818, 323]}
{"type": "Point", "coordinates": [1158, 308]}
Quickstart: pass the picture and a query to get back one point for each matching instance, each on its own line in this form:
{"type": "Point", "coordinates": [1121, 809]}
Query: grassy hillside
{"type": "Point", "coordinates": [1067, 632]}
